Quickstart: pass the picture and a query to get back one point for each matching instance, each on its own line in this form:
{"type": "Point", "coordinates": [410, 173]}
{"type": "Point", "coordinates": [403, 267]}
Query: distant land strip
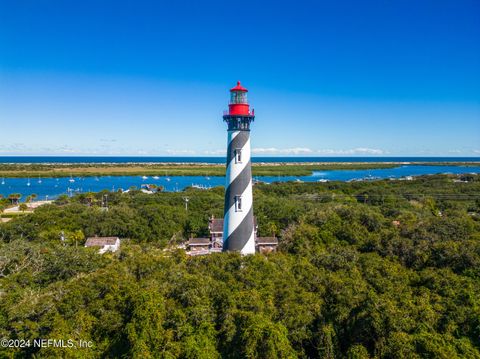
{"type": "Point", "coordinates": [193, 169]}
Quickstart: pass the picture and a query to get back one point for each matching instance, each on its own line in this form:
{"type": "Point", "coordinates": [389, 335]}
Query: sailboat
{"type": "Point", "coordinates": [144, 177]}
{"type": "Point", "coordinates": [39, 179]}
{"type": "Point", "coordinates": [3, 180]}
{"type": "Point", "coordinates": [71, 179]}
{"type": "Point", "coordinates": [167, 178]}
{"type": "Point", "coordinates": [207, 177]}
{"type": "Point", "coordinates": [28, 182]}
{"type": "Point", "coordinates": [155, 177]}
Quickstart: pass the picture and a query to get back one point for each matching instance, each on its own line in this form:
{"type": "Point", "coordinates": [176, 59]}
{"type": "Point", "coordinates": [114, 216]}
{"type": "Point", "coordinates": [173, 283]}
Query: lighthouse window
{"type": "Point", "coordinates": [238, 155]}
{"type": "Point", "coordinates": [238, 203]}
{"type": "Point", "coordinates": [242, 97]}
{"type": "Point", "coordinates": [238, 97]}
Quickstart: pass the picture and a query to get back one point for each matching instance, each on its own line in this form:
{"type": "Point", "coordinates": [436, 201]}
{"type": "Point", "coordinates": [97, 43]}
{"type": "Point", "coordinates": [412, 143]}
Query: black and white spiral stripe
{"type": "Point", "coordinates": [238, 228]}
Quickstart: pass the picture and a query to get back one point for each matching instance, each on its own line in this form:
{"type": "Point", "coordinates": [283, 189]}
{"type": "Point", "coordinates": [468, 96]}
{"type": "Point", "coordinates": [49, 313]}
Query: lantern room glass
{"type": "Point", "coordinates": [238, 97]}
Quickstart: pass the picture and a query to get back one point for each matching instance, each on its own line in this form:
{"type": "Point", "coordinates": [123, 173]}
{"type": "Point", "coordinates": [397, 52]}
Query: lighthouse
{"type": "Point", "coordinates": [238, 224]}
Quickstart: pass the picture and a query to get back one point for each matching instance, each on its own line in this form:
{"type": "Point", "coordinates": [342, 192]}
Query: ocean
{"type": "Point", "coordinates": [166, 159]}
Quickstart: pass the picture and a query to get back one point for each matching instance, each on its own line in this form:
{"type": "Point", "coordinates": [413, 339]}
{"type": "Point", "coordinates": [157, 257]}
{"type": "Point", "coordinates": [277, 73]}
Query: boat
{"type": "Point", "coordinates": [322, 180]}
{"type": "Point", "coordinates": [166, 177]}
{"type": "Point", "coordinates": [199, 186]}
{"type": "Point", "coordinates": [39, 179]}
{"type": "Point", "coordinates": [3, 180]}
{"type": "Point", "coordinates": [155, 177]}
{"type": "Point", "coordinates": [144, 177]}
{"type": "Point", "coordinates": [28, 182]}
{"type": "Point", "coordinates": [71, 180]}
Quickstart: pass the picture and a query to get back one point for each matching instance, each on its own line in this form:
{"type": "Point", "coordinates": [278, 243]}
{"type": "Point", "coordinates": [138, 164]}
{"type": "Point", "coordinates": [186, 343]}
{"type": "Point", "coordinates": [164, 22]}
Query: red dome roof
{"type": "Point", "coordinates": [239, 87]}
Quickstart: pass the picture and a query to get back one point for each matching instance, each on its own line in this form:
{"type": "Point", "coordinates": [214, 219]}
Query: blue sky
{"type": "Point", "coordinates": [391, 78]}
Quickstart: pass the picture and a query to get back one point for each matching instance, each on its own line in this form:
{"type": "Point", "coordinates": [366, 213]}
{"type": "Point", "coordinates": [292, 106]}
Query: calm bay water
{"type": "Point", "coordinates": [53, 187]}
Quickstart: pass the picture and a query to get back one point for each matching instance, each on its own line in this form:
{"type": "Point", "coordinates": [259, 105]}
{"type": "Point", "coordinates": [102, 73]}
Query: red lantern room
{"type": "Point", "coordinates": [238, 101]}
{"type": "Point", "coordinates": [238, 117]}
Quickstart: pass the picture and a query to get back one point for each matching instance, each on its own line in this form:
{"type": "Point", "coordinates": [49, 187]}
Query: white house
{"type": "Point", "coordinates": [105, 244]}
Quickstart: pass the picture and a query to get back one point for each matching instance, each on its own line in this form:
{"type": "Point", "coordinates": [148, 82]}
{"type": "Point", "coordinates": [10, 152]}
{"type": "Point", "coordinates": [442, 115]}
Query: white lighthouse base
{"type": "Point", "coordinates": [249, 248]}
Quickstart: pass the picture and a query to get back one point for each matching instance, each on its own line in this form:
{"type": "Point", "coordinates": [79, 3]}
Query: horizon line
{"type": "Point", "coordinates": [253, 156]}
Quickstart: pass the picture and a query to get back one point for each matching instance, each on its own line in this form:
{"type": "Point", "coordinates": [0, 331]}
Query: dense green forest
{"type": "Point", "coordinates": [381, 269]}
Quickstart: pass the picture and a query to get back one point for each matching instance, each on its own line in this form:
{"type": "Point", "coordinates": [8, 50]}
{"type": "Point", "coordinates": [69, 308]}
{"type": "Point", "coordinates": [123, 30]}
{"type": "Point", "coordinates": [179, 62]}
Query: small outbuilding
{"type": "Point", "coordinates": [105, 244]}
{"type": "Point", "coordinates": [198, 244]}
{"type": "Point", "coordinates": [266, 244]}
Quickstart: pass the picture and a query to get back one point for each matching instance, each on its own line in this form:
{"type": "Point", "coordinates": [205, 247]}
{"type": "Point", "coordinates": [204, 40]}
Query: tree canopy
{"type": "Point", "coordinates": [384, 269]}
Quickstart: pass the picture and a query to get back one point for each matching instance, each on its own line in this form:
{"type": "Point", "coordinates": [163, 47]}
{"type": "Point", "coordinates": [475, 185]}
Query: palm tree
{"type": "Point", "coordinates": [34, 196]}
{"type": "Point", "coordinates": [77, 236]}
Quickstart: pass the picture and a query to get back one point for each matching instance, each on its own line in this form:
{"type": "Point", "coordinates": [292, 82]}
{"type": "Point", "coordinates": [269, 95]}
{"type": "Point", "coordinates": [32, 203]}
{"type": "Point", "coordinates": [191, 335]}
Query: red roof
{"type": "Point", "coordinates": [239, 87]}
{"type": "Point", "coordinates": [216, 225]}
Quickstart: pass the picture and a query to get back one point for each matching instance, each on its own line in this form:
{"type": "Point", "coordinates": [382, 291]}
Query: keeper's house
{"type": "Point", "coordinates": [266, 244]}
{"type": "Point", "coordinates": [104, 244]}
{"type": "Point", "coordinates": [198, 245]}
{"type": "Point", "coordinates": [214, 243]}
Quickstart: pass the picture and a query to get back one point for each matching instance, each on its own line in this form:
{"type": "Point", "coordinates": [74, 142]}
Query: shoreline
{"type": "Point", "coordinates": [56, 170]}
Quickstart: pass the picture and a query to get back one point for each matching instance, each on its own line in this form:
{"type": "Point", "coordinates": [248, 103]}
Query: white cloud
{"type": "Point", "coordinates": [476, 151]}
{"type": "Point", "coordinates": [282, 151]}
{"type": "Point", "coordinates": [13, 148]}
{"type": "Point", "coordinates": [19, 148]}
{"type": "Point", "coordinates": [63, 149]}
{"type": "Point", "coordinates": [222, 152]}
{"type": "Point", "coordinates": [354, 151]}
{"type": "Point", "coordinates": [308, 151]}
{"type": "Point", "coordinates": [181, 152]}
